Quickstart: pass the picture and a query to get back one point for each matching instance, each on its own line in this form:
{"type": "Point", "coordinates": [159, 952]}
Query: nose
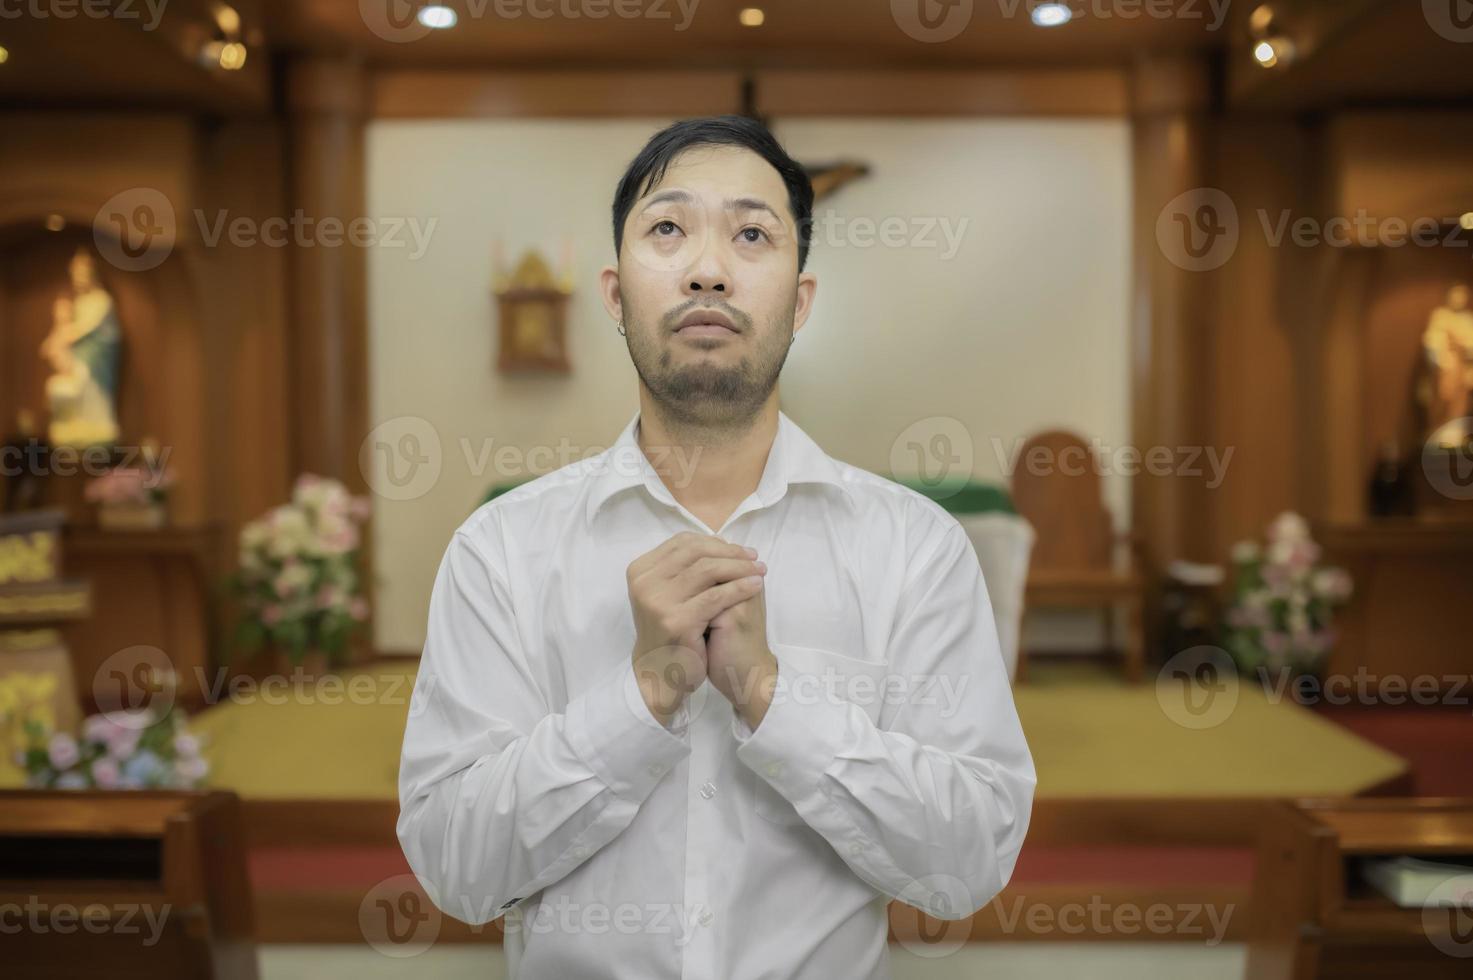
{"type": "Point", "coordinates": [708, 274]}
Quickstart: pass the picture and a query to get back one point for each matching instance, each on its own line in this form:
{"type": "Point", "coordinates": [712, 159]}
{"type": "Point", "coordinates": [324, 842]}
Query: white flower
{"type": "Point", "coordinates": [1245, 551]}
{"type": "Point", "coordinates": [1288, 526]}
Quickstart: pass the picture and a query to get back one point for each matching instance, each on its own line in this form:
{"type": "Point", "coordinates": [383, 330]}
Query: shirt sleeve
{"type": "Point", "coordinates": [931, 804]}
{"type": "Point", "coordinates": [501, 792]}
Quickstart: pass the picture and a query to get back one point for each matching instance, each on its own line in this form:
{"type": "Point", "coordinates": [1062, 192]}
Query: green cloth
{"type": "Point", "coordinates": [965, 496]}
{"type": "Point", "coordinates": [500, 489]}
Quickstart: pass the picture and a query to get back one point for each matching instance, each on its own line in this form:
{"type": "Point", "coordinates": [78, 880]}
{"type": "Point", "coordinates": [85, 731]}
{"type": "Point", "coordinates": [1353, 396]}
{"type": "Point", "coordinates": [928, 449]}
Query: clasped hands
{"type": "Point", "coordinates": [700, 613]}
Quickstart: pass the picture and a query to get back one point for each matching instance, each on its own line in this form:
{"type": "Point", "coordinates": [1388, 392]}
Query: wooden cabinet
{"type": "Point", "coordinates": [1314, 916]}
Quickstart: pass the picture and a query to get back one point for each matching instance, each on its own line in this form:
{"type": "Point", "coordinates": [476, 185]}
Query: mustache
{"type": "Point", "coordinates": [672, 319]}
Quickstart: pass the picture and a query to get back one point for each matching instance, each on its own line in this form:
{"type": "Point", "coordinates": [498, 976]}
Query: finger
{"type": "Point", "coordinates": [655, 555]}
{"type": "Point", "coordinates": [692, 549]}
{"type": "Point", "coordinates": [706, 572]}
{"type": "Point", "coordinates": [719, 598]}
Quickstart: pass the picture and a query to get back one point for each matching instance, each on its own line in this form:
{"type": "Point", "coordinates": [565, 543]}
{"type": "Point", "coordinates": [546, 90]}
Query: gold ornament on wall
{"type": "Point", "coordinates": [532, 311]}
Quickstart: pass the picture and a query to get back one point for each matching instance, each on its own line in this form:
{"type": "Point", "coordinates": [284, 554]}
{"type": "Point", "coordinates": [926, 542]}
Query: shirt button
{"type": "Point", "coordinates": [656, 769]}
{"type": "Point", "coordinates": [856, 848]}
{"type": "Point", "coordinates": [705, 917]}
{"type": "Point", "coordinates": [774, 768]}
{"type": "Point", "coordinates": [708, 790]}
{"type": "Point", "coordinates": [580, 852]}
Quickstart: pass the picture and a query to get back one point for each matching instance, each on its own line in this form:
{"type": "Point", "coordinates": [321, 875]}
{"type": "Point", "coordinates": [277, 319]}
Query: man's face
{"type": "Point", "coordinates": [708, 287]}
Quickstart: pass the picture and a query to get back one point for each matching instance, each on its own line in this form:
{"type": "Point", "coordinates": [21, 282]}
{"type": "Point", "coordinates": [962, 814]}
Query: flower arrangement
{"type": "Point", "coordinates": [131, 497]}
{"type": "Point", "coordinates": [117, 750]}
{"type": "Point", "coordinates": [1283, 604]}
{"type": "Point", "coordinates": [129, 486]}
{"type": "Point", "coordinates": [298, 582]}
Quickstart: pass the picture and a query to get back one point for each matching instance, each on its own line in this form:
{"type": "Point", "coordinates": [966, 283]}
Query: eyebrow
{"type": "Point", "coordinates": [731, 204]}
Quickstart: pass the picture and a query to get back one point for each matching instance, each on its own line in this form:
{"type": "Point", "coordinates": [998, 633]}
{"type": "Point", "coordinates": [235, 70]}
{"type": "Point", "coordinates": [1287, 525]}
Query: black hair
{"type": "Point", "coordinates": [647, 169]}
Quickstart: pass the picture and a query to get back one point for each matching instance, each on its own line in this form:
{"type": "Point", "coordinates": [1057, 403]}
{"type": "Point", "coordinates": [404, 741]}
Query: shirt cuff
{"type": "Point", "coordinates": [612, 730]}
{"type": "Point", "coordinates": [799, 737]}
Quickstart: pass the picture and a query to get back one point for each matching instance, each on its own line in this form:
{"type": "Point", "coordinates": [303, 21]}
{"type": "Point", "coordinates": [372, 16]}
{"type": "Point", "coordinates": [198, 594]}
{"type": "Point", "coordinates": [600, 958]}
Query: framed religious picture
{"type": "Point", "coordinates": [533, 311]}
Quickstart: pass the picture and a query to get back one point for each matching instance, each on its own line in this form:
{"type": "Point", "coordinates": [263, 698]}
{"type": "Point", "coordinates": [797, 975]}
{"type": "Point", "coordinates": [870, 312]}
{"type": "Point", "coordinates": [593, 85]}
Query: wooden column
{"type": "Point", "coordinates": [1169, 337]}
{"type": "Point", "coordinates": [329, 343]}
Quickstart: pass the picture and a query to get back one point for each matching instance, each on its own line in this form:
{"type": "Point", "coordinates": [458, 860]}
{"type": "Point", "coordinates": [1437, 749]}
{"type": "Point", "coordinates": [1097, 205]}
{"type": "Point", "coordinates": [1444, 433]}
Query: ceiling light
{"type": "Point", "coordinates": [1261, 21]}
{"type": "Point", "coordinates": [1466, 221]}
{"type": "Point", "coordinates": [437, 17]}
{"type": "Point", "coordinates": [228, 18]}
{"type": "Point", "coordinates": [55, 222]}
{"type": "Point", "coordinates": [1051, 14]}
{"type": "Point", "coordinates": [232, 56]}
{"type": "Point", "coordinates": [4, 55]}
{"type": "Point", "coordinates": [1273, 52]}
{"type": "Point", "coordinates": [751, 17]}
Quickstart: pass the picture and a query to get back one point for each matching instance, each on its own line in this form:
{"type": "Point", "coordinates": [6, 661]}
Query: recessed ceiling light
{"type": "Point", "coordinates": [437, 17]}
{"type": "Point", "coordinates": [1466, 221]}
{"type": "Point", "coordinates": [232, 56]}
{"type": "Point", "coordinates": [1261, 21]}
{"type": "Point", "coordinates": [1051, 14]}
{"type": "Point", "coordinates": [4, 55]}
{"type": "Point", "coordinates": [1273, 52]}
{"type": "Point", "coordinates": [751, 17]}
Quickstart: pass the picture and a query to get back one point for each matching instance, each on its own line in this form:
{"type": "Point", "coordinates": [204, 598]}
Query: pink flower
{"type": "Point", "coordinates": [358, 608]}
{"type": "Point", "coordinates": [361, 508]}
{"type": "Point", "coordinates": [100, 728]}
{"type": "Point", "coordinates": [105, 772]}
{"type": "Point", "coordinates": [123, 743]}
{"type": "Point", "coordinates": [1275, 642]}
{"type": "Point", "coordinates": [63, 752]}
{"type": "Point", "coordinates": [187, 746]}
{"type": "Point", "coordinates": [271, 614]}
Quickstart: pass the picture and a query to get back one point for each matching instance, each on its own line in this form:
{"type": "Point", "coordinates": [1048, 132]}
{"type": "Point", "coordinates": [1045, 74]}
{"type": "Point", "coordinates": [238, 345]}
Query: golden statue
{"type": "Point", "coordinates": [1445, 391]}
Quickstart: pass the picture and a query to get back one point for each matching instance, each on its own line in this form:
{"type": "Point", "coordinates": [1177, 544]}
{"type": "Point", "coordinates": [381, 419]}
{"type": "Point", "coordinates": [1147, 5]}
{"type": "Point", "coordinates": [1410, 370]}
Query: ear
{"type": "Point", "coordinates": [803, 304]}
{"type": "Point", "coordinates": [608, 291]}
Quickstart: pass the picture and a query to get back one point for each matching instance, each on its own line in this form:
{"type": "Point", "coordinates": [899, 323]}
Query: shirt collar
{"type": "Point", "coordinates": [793, 458]}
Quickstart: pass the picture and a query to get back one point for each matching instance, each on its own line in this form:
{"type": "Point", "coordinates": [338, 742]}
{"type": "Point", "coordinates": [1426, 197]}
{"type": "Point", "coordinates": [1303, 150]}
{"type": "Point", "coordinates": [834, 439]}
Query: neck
{"type": "Point", "coordinates": [708, 469]}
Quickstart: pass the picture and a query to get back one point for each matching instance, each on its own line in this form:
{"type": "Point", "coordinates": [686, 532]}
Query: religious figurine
{"type": "Point", "coordinates": [83, 350]}
{"type": "Point", "coordinates": [533, 307]}
{"type": "Point", "coordinates": [1446, 390]}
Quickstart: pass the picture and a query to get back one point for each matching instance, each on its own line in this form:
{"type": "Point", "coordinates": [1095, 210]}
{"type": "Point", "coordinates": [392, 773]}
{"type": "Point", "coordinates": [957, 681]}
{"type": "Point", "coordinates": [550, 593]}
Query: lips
{"type": "Point", "coordinates": [705, 323]}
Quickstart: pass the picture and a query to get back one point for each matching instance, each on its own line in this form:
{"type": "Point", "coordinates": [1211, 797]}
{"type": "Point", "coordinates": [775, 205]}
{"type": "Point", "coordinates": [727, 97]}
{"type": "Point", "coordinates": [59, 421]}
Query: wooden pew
{"type": "Point", "coordinates": [124, 885]}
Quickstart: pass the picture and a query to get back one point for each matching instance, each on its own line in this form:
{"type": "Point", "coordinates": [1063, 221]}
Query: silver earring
{"type": "Point", "coordinates": [621, 329]}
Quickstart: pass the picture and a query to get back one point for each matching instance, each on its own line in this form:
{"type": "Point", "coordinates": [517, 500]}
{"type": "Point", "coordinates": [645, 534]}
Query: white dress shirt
{"type": "Point", "coordinates": [536, 783]}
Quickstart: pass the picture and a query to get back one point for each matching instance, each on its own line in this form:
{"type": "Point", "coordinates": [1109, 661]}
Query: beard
{"type": "Point", "coordinates": [704, 393]}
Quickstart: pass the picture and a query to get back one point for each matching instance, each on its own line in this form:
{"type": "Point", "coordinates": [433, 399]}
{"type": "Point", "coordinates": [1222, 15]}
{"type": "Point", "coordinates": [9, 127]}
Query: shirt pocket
{"type": "Point", "coordinates": [817, 679]}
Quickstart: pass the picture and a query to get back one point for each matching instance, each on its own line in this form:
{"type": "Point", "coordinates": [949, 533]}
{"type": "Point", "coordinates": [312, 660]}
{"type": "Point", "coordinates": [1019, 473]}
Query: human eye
{"type": "Point", "coordinates": [752, 234]}
{"type": "Point", "coordinates": [664, 228]}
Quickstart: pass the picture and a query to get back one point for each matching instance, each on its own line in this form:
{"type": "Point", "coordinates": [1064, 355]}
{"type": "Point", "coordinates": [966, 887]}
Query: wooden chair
{"type": "Point", "coordinates": [1056, 487]}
